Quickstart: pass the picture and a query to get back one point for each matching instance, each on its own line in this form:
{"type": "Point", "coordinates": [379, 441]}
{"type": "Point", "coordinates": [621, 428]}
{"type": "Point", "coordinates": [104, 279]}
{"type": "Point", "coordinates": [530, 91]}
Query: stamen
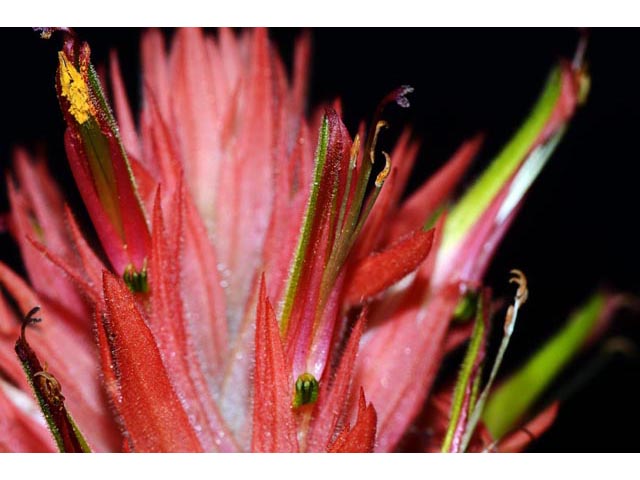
{"type": "Point", "coordinates": [520, 298]}
{"type": "Point", "coordinates": [353, 163]}
{"type": "Point", "coordinates": [379, 126]}
{"type": "Point", "coordinates": [518, 278]}
{"type": "Point", "coordinates": [510, 320]}
{"type": "Point", "coordinates": [382, 176]}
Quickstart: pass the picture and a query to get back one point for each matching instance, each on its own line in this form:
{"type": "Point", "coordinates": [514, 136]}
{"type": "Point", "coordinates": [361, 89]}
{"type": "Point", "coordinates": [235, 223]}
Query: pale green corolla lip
{"type": "Point", "coordinates": [477, 199]}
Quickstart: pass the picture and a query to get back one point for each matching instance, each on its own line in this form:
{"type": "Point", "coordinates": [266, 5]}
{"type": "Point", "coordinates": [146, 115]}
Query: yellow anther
{"type": "Point", "coordinates": [75, 90]}
{"type": "Point", "coordinates": [584, 85]}
{"type": "Point", "coordinates": [379, 126]}
{"type": "Point", "coordinates": [355, 150]}
{"type": "Point", "coordinates": [382, 176]}
{"type": "Point", "coordinates": [520, 298]}
{"type": "Point", "coordinates": [519, 279]}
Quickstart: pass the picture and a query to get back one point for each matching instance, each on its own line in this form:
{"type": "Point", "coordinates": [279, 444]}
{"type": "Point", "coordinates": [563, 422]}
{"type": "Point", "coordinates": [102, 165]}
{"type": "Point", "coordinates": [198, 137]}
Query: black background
{"type": "Point", "coordinates": [577, 230]}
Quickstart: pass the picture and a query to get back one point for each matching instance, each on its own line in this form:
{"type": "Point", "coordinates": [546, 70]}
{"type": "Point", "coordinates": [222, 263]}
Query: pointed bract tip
{"type": "Point", "coordinates": [361, 436]}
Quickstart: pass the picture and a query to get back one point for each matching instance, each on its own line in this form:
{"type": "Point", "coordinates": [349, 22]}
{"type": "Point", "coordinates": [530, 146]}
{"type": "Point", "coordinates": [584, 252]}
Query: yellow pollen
{"type": "Point", "coordinates": [75, 90]}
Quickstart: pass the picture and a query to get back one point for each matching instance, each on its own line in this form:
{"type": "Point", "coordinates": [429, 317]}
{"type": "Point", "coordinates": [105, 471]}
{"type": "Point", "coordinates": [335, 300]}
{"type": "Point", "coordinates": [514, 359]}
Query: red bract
{"type": "Point", "coordinates": [259, 283]}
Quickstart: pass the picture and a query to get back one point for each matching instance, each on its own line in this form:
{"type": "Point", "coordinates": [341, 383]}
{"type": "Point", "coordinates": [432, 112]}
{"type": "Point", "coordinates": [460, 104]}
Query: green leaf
{"type": "Point", "coordinates": [507, 405]}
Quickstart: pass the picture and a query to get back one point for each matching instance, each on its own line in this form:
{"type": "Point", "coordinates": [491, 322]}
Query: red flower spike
{"type": "Point", "coordinates": [380, 270]}
{"type": "Point", "coordinates": [361, 437]}
{"type": "Point", "coordinates": [274, 427]}
{"type": "Point", "coordinates": [152, 415]}
{"type": "Point", "coordinates": [223, 160]}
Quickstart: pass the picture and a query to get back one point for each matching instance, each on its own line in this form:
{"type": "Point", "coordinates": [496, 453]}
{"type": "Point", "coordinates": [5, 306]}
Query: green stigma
{"type": "Point", "coordinates": [137, 281]}
{"type": "Point", "coordinates": [307, 388]}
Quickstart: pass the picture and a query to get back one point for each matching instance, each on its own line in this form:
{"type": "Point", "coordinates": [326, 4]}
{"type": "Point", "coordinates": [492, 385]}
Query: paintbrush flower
{"type": "Point", "coordinates": [254, 279]}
